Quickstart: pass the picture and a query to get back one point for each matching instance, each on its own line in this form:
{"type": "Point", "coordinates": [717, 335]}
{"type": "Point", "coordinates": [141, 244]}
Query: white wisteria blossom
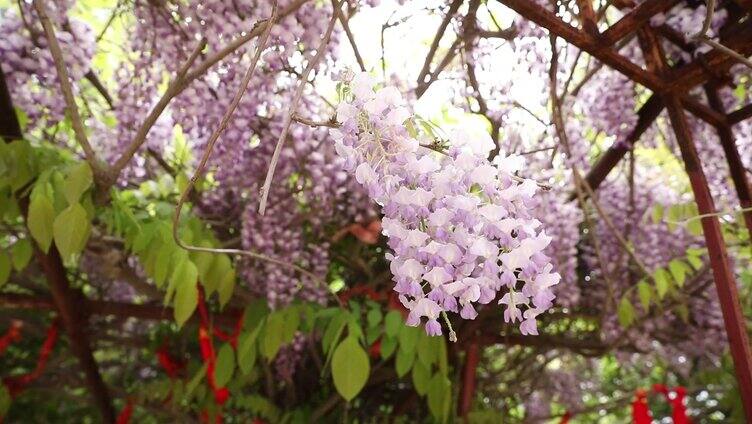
{"type": "Point", "coordinates": [460, 227]}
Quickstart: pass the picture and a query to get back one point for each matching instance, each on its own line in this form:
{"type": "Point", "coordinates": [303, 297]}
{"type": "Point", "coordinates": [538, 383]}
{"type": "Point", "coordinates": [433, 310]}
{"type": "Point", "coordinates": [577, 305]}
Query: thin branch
{"type": "Point", "coordinates": [214, 137]}
{"type": "Point", "coordinates": [65, 85]}
{"type": "Point", "coordinates": [293, 108]}
{"type": "Point", "coordinates": [436, 39]}
{"type": "Point", "coordinates": [709, 10]}
{"type": "Point", "coordinates": [263, 41]}
{"type": "Point", "coordinates": [101, 89]}
{"type": "Point", "coordinates": [200, 69]}
{"type": "Point", "coordinates": [173, 89]}
{"type": "Point", "coordinates": [231, 47]}
{"type": "Point", "coordinates": [346, 25]}
{"type": "Point", "coordinates": [731, 52]}
{"type": "Point", "coordinates": [331, 123]}
{"type": "Point", "coordinates": [560, 128]}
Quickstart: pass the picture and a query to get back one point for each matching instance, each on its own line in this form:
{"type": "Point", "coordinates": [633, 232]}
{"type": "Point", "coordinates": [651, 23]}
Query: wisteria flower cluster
{"type": "Point", "coordinates": [460, 227]}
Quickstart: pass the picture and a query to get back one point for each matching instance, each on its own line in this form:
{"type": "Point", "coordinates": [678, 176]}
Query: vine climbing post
{"type": "Point", "coordinates": [725, 282]}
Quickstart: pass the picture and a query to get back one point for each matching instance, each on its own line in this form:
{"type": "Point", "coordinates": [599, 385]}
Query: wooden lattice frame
{"type": "Point", "coordinates": [670, 86]}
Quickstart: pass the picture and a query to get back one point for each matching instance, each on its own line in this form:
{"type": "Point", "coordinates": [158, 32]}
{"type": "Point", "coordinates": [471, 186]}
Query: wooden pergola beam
{"type": "Point", "coordinates": [67, 301]}
{"type": "Point", "coordinates": [532, 11]}
{"type": "Point", "coordinates": [595, 47]}
{"type": "Point", "coordinates": [113, 309]}
{"type": "Point", "coordinates": [647, 114]}
{"type": "Point", "coordinates": [736, 166]}
{"type": "Point", "coordinates": [740, 114]}
{"type": "Point", "coordinates": [723, 275]}
{"type": "Point", "coordinates": [635, 18]}
{"type": "Point", "coordinates": [587, 17]}
{"type": "Point", "coordinates": [693, 74]}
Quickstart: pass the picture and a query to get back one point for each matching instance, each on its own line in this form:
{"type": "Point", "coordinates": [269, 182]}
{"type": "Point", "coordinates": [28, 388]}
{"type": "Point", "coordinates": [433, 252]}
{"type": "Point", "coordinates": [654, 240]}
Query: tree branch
{"type": "Point", "coordinates": [67, 89]}
{"type": "Point", "coordinates": [294, 106]}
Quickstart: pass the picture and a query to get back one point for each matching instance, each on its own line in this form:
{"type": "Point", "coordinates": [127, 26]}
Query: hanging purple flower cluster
{"type": "Point", "coordinates": [460, 227]}
{"type": "Point", "coordinates": [28, 65]}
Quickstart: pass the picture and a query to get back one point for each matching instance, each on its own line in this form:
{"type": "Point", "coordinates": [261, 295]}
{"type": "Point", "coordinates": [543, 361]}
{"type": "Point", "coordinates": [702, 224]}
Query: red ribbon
{"type": "Point", "coordinates": [125, 414]}
{"type": "Point", "coordinates": [172, 367]}
{"type": "Point", "coordinates": [565, 418]}
{"type": "Point", "coordinates": [679, 413]}
{"type": "Point", "coordinates": [231, 338]}
{"type": "Point", "coordinates": [221, 394]}
{"type": "Point", "coordinates": [12, 335]}
{"type": "Point", "coordinates": [17, 383]}
{"type": "Point", "coordinates": [641, 412]}
{"type": "Point", "coordinates": [640, 409]}
{"type": "Point", "coordinates": [375, 350]}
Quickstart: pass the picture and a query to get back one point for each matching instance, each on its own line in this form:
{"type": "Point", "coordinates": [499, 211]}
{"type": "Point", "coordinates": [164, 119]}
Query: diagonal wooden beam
{"type": "Point", "coordinates": [532, 11]}
{"type": "Point", "coordinates": [635, 18]}
{"type": "Point", "coordinates": [67, 301]}
{"type": "Point", "coordinates": [608, 161]}
{"type": "Point", "coordinates": [736, 167]}
{"type": "Point", "coordinates": [547, 19]}
{"type": "Point", "coordinates": [704, 112]}
{"type": "Point", "coordinates": [587, 17]}
{"type": "Point", "coordinates": [678, 80]}
{"type": "Point", "coordinates": [739, 38]}
{"type": "Point", "coordinates": [740, 114]}
{"type": "Point", "coordinates": [723, 275]}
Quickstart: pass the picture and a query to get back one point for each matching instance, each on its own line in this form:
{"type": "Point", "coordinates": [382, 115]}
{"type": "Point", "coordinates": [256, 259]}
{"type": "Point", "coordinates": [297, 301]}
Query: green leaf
{"type": "Point", "coordinates": [408, 337]}
{"type": "Point", "coordinates": [225, 365]}
{"type": "Point", "coordinates": [388, 345]}
{"type": "Point", "coordinates": [71, 230]}
{"type": "Point", "coordinates": [20, 253]}
{"type": "Point", "coordinates": [439, 396]}
{"type": "Point", "coordinates": [218, 270]}
{"type": "Point", "coordinates": [657, 213]}
{"type": "Point", "coordinates": [77, 181]}
{"type": "Point", "coordinates": [273, 334]}
{"type": "Point", "coordinates": [353, 328]}
{"type": "Point", "coordinates": [255, 313]}
{"type": "Point", "coordinates": [195, 380]}
{"type": "Point", "coordinates": [645, 292]}
{"type": "Point", "coordinates": [421, 378]}
{"type": "Point", "coordinates": [392, 323]}
{"type": "Point", "coordinates": [203, 261]}
{"type": "Point", "coordinates": [625, 312]}
{"type": "Point", "coordinates": [5, 400]}
{"type": "Point", "coordinates": [404, 361]}
{"type": "Point", "coordinates": [374, 317]}
{"type": "Point", "coordinates": [40, 219]}
{"type": "Point", "coordinates": [247, 351]}
{"type": "Point", "coordinates": [162, 265]}
{"type": "Point", "coordinates": [694, 258]}
{"type": "Point", "coordinates": [678, 270]}
{"type": "Point", "coordinates": [334, 330]}
{"type": "Point", "coordinates": [185, 280]}
{"type": "Point", "coordinates": [350, 368]}
{"type": "Point", "coordinates": [427, 349]}
{"type": "Point", "coordinates": [695, 227]}
{"type": "Point", "coordinates": [5, 266]}
{"type": "Point", "coordinates": [442, 355]}
{"type": "Point", "coordinates": [226, 287]}
{"type": "Point", "coordinates": [292, 322]}
{"type": "Point", "coordinates": [662, 282]}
